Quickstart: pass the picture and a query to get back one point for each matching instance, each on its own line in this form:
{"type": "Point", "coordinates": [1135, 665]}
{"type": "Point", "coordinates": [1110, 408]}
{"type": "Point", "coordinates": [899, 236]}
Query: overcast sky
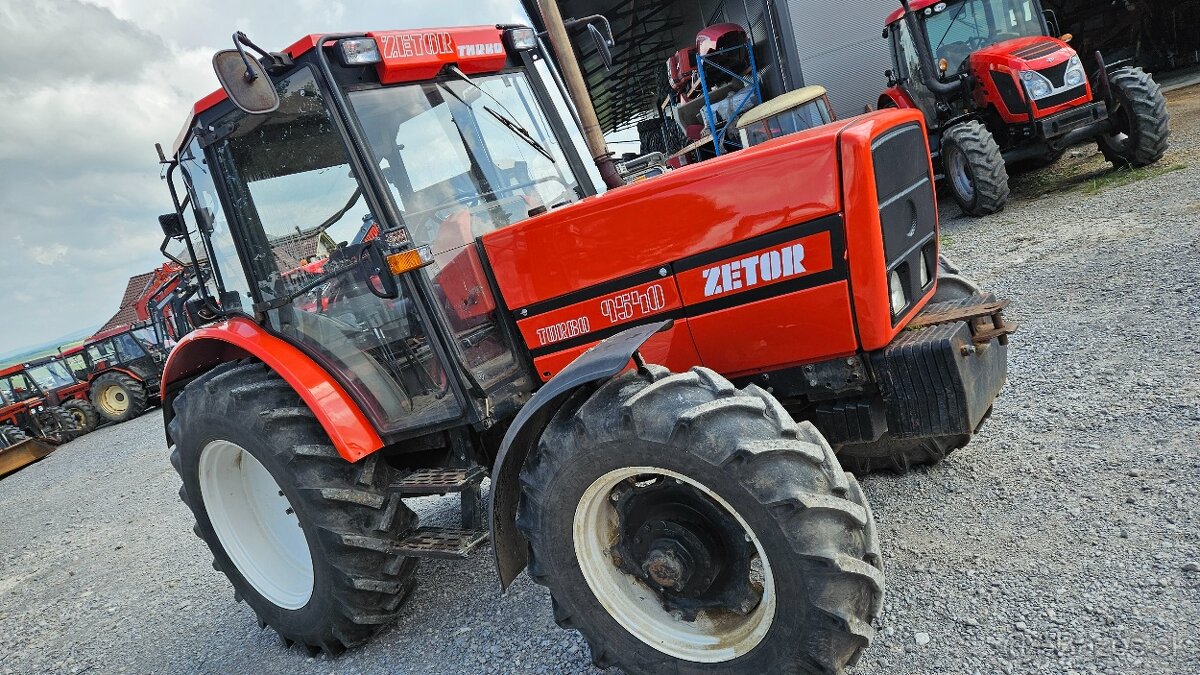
{"type": "Point", "coordinates": [86, 89]}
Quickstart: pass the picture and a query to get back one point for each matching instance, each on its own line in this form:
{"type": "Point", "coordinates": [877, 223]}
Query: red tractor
{"type": "Point", "coordinates": [660, 380]}
{"type": "Point", "coordinates": [60, 387]}
{"type": "Point", "coordinates": [25, 412]}
{"type": "Point", "coordinates": [122, 368]}
{"type": "Point", "coordinates": [996, 87]}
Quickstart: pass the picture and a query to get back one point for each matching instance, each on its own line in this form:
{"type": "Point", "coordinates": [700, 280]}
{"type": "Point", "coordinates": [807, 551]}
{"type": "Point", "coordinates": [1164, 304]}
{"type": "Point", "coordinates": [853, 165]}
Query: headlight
{"type": "Point", "coordinates": [522, 38]}
{"type": "Point", "coordinates": [1036, 85]}
{"type": "Point", "coordinates": [1075, 74]}
{"type": "Point", "coordinates": [897, 288]}
{"type": "Point", "coordinates": [358, 51]}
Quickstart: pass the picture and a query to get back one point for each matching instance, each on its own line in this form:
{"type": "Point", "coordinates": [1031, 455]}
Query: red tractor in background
{"type": "Point", "coordinates": [122, 369]}
{"type": "Point", "coordinates": [662, 381]}
{"type": "Point", "coordinates": [60, 387]}
{"type": "Point", "coordinates": [997, 87]}
{"type": "Point", "coordinates": [25, 412]}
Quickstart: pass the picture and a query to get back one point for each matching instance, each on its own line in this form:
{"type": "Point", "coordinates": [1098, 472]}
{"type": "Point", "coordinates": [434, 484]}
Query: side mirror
{"type": "Point", "coordinates": [172, 225]}
{"type": "Point", "coordinates": [602, 46]}
{"type": "Point", "coordinates": [244, 79]}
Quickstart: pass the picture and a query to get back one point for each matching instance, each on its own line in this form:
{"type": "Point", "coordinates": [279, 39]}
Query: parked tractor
{"type": "Point", "coordinates": [122, 368]}
{"type": "Point", "coordinates": [61, 388]}
{"type": "Point", "coordinates": [658, 379]}
{"type": "Point", "coordinates": [996, 87]}
{"type": "Point", "coordinates": [23, 405]}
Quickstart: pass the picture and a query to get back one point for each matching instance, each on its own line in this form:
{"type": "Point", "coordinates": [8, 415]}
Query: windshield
{"type": "Point", "coordinates": [52, 375]}
{"type": "Point", "coordinates": [16, 388]}
{"type": "Point", "coordinates": [456, 156]}
{"type": "Point", "coordinates": [964, 27]}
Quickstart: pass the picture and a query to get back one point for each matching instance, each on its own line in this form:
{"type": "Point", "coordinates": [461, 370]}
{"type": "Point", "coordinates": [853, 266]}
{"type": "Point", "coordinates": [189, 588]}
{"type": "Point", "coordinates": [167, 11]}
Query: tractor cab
{"type": "Point", "coordinates": [388, 152]}
{"type": "Point", "coordinates": [23, 405]}
{"type": "Point", "coordinates": [123, 368]}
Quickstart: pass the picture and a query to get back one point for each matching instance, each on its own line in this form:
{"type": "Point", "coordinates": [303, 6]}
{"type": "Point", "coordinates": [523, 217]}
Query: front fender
{"type": "Point", "coordinates": [606, 359]}
{"type": "Point", "coordinates": [237, 338]}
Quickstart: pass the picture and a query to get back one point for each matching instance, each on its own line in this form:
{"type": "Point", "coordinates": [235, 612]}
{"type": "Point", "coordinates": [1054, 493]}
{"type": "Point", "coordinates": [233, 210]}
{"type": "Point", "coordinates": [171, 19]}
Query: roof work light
{"type": "Point", "coordinates": [358, 51]}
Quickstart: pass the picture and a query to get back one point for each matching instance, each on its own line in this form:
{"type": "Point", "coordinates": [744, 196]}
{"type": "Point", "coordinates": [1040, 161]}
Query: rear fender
{"type": "Point", "coordinates": [237, 338]}
{"type": "Point", "coordinates": [592, 368]}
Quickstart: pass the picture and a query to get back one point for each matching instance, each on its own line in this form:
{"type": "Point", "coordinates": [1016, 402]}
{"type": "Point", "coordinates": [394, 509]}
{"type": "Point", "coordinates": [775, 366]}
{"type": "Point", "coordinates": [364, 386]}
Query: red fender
{"type": "Point", "coordinates": [238, 338]}
{"type": "Point", "coordinates": [895, 97]}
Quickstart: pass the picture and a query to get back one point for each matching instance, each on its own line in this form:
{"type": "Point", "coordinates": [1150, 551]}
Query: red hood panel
{"type": "Point", "coordinates": [1027, 53]}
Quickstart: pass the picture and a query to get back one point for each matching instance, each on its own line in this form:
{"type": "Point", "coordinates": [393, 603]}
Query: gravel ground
{"type": "Point", "coordinates": [1063, 539]}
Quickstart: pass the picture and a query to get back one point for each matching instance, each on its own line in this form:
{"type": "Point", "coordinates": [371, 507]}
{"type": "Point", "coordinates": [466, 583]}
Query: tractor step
{"type": "Point", "coordinates": [424, 482]}
{"type": "Point", "coordinates": [441, 542]}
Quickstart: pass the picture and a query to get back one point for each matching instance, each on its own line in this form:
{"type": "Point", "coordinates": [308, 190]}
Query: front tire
{"type": "Point", "coordinates": [59, 425]}
{"type": "Point", "coordinates": [701, 472]}
{"type": "Point", "coordinates": [10, 436]}
{"type": "Point", "coordinates": [85, 414]}
{"type": "Point", "coordinates": [974, 168]}
{"type": "Point", "coordinates": [304, 536]}
{"type": "Point", "coordinates": [118, 397]}
{"type": "Point", "coordinates": [1141, 118]}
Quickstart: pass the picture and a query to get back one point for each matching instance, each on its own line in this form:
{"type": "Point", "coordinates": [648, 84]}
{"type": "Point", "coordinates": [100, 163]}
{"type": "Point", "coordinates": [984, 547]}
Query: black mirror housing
{"type": "Point", "coordinates": [172, 225]}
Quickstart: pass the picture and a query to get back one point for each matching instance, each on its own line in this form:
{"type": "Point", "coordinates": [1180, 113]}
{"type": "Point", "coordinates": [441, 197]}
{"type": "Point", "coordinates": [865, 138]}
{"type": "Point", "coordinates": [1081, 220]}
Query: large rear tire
{"type": "Point", "coordinates": [85, 414]}
{"type": "Point", "coordinates": [305, 537]}
{"type": "Point", "coordinates": [647, 505]}
{"type": "Point", "coordinates": [118, 397]}
{"type": "Point", "coordinates": [1141, 118]}
{"type": "Point", "coordinates": [974, 168]}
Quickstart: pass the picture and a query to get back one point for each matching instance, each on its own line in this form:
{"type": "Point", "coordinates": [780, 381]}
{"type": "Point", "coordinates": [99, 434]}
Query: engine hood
{"type": "Point", "coordinates": [1027, 53]}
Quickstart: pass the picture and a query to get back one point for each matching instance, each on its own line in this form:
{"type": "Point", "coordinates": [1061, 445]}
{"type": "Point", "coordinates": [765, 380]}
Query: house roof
{"type": "Point", "coordinates": [135, 289]}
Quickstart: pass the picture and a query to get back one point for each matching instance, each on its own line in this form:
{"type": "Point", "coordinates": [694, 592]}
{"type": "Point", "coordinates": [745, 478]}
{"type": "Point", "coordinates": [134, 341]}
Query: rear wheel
{"type": "Point", "coordinates": [118, 397]}
{"type": "Point", "coordinates": [685, 526]}
{"type": "Point", "coordinates": [1139, 113]}
{"type": "Point", "coordinates": [304, 536]}
{"type": "Point", "coordinates": [85, 414]}
{"type": "Point", "coordinates": [974, 168]}
{"type": "Point", "coordinates": [10, 435]}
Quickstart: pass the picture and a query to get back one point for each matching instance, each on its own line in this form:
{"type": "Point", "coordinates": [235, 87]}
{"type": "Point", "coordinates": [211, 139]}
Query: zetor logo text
{"type": "Point", "coordinates": [780, 263]}
{"type": "Point", "coordinates": [405, 45]}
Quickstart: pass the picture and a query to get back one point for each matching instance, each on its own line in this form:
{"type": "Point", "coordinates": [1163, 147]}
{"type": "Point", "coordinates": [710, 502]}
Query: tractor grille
{"type": "Point", "coordinates": [1064, 97]}
{"type": "Point", "coordinates": [1056, 73]}
{"type": "Point", "coordinates": [907, 210]}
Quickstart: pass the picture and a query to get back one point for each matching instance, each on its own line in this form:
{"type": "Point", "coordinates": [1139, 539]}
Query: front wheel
{"type": "Point", "coordinates": [85, 414]}
{"type": "Point", "coordinates": [306, 538]}
{"type": "Point", "coordinates": [59, 425]}
{"type": "Point", "coordinates": [1140, 120]}
{"type": "Point", "coordinates": [685, 526]}
{"type": "Point", "coordinates": [974, 168]}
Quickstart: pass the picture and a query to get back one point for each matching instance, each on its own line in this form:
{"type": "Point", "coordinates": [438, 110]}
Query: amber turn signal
{"type": "Point", "coordinates": [407, 261]}
{"type": "Point", "coordinates": [1067, 37]}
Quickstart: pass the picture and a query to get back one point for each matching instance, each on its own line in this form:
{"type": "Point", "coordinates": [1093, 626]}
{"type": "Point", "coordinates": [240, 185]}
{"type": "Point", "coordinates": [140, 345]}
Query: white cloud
{"type": "Point", "coordinates": [86, 90]}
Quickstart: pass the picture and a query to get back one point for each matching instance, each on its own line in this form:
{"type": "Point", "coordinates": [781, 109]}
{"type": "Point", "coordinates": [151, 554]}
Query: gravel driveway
{"type": "Point", "coordinates": [1063, 539]}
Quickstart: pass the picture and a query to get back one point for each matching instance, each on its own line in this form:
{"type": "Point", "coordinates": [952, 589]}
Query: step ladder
{"type": "Point", "coordinates": [446, 542]}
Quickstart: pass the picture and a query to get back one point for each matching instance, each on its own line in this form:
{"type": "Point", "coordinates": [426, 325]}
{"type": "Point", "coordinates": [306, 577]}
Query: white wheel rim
{"type": "Point", "coordinates": [635, 605]}
{"type": "Point", "coordinates": [256, 524]}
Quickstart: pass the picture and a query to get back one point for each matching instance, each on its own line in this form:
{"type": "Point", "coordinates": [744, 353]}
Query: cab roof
{"type": "Point", "coordinates": [400, 50]}
{"type": "Point", "coordinates": [917, 5]}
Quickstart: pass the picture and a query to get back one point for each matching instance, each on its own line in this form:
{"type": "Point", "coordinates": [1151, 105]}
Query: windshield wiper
{"type": "Point", "coordinates": [511, 124]}
{"type": "Point", "coordinates": [953, 20]}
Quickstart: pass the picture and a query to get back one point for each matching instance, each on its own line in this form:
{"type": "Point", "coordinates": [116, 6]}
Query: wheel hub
{"type": "Point", "coordinates": [681, 544]}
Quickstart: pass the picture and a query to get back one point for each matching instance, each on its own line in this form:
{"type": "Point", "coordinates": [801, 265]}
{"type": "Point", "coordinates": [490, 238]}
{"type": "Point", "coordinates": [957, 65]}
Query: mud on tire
{"type": "Point", "coordinates": [780, 478]}
{"type": "Point", "coordinates": [349, 520]}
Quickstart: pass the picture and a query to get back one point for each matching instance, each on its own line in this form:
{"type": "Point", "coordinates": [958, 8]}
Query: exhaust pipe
{"type": "Point", "coordinates": [928, 68]}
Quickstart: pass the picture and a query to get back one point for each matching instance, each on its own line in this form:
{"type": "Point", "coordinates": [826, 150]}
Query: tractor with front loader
{"type": "Point", "coordinates": [662, 381]}
{"type": "Point", "coordinates": [25, 412]}
{"type": "Point", "coordinates": [998, 86]}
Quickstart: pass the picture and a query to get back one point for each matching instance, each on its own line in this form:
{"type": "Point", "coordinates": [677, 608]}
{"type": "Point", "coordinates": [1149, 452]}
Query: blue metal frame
{"type": "Point", "coordinates": [719, 135]}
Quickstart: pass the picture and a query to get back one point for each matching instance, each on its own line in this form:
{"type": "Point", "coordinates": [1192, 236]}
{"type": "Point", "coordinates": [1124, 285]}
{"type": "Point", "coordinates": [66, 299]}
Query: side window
{"type": "Point", "coordinates": [78, 365]}
{"type": "Point", "coordinates": [102, 352]}
{"type": "Point", "coordinates": [16, 388]}
{"type": "Point", "coordinates": [127, 348]}
{"type": "Point", "coordinates": [214, 229]}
